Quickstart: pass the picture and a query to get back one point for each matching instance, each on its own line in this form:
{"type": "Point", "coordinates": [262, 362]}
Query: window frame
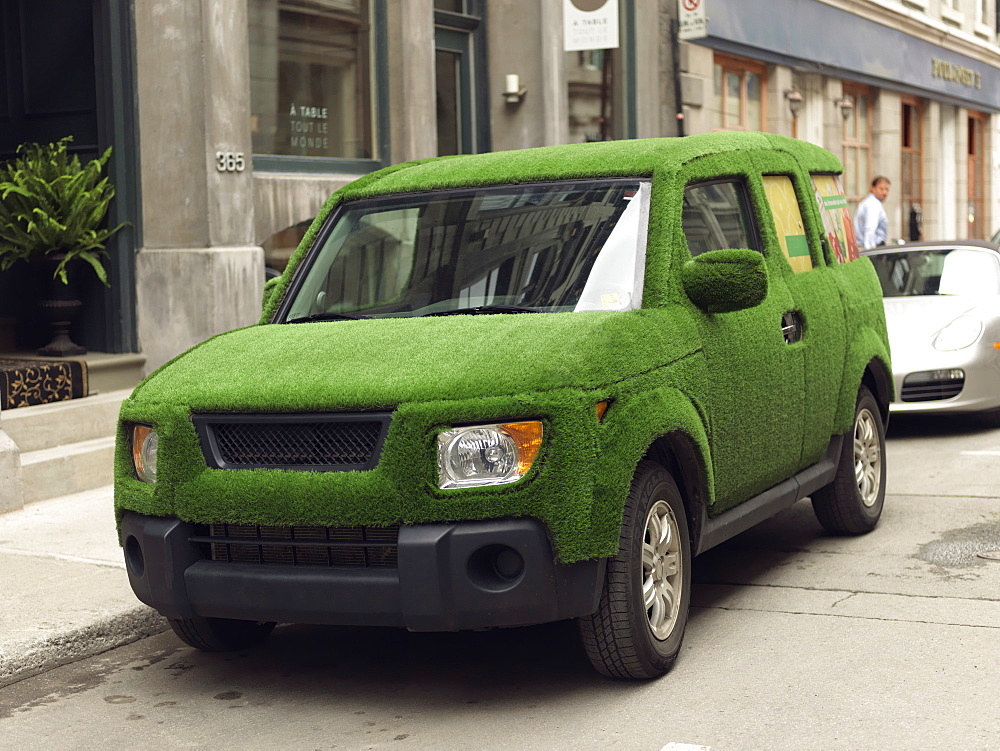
{"type": "Point", "coordinates": [915, 151]}
{"type": "Point", "coordinates": [465, 34]}
{"type": "Point", "coordinates": [740, 66]}
{"type": "Point", "coordinates": [861, 142]}
{"type": "Point", "coordinates": [379, 50]}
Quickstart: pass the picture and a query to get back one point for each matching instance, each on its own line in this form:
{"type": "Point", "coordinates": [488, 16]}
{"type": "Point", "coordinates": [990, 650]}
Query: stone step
{"type": "Point", "coordinates": [47, 426]}
{"type": "Point", "coordinates": [69, 468]}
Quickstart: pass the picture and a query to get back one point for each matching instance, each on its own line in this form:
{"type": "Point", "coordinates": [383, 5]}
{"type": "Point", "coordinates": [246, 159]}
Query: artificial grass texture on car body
{"type": "Point", "coordinates": [668, 368]}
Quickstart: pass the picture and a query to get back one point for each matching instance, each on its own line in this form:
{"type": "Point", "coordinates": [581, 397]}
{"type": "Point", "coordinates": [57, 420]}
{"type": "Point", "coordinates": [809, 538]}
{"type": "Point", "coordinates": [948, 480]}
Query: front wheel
{"type": "Point", "coordinates": [852, 503]}
{"type": "Point", "coordinates": [638, 627]}
{"type": "Point", "coordinates": [220, 634]}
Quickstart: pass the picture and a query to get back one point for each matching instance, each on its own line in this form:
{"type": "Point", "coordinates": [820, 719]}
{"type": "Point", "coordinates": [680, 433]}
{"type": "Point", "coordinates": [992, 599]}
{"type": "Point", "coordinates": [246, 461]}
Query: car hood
{"type": "Point", "coordinates": [913, 321]}
{"type": "Point", "coordinates": [370, 364]}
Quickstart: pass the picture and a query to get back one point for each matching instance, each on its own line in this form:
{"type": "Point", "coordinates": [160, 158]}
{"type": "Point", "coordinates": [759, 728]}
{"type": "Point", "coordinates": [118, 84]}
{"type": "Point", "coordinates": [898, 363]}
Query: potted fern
{"type": "Point", "coordinates": [52, 210]}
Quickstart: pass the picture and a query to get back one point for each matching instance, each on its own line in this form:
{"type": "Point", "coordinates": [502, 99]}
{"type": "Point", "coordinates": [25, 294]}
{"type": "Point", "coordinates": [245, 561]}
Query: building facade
{"type": "Point", "coordinates": [232, 121]}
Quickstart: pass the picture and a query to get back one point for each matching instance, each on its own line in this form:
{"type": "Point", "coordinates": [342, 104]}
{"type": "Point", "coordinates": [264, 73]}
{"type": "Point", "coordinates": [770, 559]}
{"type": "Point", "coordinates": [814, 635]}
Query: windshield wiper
{"type": "Point", "coordinates": [483, 309]}
{"type": "Point", "coordinates": [327, 317]}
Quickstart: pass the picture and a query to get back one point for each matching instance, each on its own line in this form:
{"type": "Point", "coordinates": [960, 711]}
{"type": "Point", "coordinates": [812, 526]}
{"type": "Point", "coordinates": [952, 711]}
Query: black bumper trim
{"type": "Point", "coordinates": [446, 579]}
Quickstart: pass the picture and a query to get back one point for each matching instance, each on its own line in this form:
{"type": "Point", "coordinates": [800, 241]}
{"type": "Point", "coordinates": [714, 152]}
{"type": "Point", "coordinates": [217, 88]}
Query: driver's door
{"type": "Point", "coordinates": [754, 394]}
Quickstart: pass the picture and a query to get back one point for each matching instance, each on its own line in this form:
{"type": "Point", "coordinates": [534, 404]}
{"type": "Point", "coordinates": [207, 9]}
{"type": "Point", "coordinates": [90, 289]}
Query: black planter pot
{"type": "Point", "coordinates": [60, 307]}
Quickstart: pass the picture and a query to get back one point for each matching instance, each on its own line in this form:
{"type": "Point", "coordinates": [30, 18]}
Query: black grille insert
{"type": "Point", "coordinates": [324, 547]}
{"type": "Point", "coordinates": [930, 385]}
{"type": "Point", "coordinates": [318, 442]}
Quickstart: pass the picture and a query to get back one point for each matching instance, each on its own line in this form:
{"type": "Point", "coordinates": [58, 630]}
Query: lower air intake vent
{"type": "Point", "coordinates": [325, 547]}
{"type": "Point", "coordinates": [933, 385]}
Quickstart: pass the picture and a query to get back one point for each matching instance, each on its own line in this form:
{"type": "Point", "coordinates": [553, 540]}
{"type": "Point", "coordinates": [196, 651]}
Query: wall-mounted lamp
{"type": "Point", "coordinates": [794, 98]}
{"type": "Point", "coordinates": [513, 92]}
{"type": "Point", "coordinates": [846, 105]}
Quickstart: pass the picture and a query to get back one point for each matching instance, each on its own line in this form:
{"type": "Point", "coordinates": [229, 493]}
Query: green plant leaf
{"type": "Point", "coordinates": [51, 202]}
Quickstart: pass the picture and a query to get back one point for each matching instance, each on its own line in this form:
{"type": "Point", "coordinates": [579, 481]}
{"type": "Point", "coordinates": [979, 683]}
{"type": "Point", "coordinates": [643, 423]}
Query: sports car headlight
{"type": "Point", "coordinates": [963, 332]}
{"type": "Point", "coordinates": [144, 445]}
{"type": "Point", "coordinates": [487, 454]}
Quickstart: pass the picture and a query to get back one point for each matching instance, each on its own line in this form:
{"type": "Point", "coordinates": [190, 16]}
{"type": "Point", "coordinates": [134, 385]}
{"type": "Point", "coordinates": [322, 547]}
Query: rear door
{"type": "Point", "coordinates": [813, 325]}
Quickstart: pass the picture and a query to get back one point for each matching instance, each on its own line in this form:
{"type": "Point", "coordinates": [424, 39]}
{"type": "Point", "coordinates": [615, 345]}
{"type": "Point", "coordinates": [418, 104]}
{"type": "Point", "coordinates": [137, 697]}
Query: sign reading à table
{"type": "Point", "coordinates": [692, 19]}
{"type": "Point", "coordinates": [590, 25]}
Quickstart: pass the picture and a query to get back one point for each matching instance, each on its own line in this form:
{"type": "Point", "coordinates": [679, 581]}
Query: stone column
{"type": "Point", "coordinates": [199, 271]}
{"type": "Point", "coordinates": [887, 155]}
{"type": "Point", "coordinates": [412, 89]}
{"type": "Point", "coordinates": [11, 497]}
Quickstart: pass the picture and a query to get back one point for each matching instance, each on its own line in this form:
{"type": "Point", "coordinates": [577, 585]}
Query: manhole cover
{"type": "Point", "coordinates": [990, 555]}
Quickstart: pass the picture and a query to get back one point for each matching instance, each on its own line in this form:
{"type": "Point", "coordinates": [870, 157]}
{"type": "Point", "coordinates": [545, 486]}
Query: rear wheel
{"type": "Point", "coordinates": [220, 634]}
{"type": "Point", "coordinates": [639, 624]}
{"type": "Point", "coordinates": [852, 503]}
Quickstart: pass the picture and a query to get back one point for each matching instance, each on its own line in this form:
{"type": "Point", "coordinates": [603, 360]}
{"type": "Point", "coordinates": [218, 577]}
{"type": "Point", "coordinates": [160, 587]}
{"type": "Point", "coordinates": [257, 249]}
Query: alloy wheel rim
{"type": "Point", "coordinates": [662, 570]}
{"type": "Point", "coordinates": [867, 457]}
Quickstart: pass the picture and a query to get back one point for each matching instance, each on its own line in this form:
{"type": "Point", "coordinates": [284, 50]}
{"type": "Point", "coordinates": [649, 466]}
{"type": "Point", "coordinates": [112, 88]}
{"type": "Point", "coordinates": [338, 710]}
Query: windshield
{"type": "Point", "coordinates": [569, 246]}
{"type": "Point", "coordinates": [938, 271]}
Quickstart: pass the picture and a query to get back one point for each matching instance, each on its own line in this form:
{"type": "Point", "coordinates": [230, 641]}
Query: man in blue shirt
{"type": "Point", "coordinates": [871, 225]}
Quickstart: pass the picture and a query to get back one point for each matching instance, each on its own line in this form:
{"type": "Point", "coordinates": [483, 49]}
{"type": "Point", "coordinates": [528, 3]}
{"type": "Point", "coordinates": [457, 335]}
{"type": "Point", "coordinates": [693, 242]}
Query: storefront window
{"type": "Point", "coordinates": [311, 78]}
{"type": "Point", "coordinates": [738, 102]}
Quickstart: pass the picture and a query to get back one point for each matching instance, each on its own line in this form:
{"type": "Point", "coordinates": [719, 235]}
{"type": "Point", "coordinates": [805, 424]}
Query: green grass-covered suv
{"type": "Point", "coordinates": [517, 387]}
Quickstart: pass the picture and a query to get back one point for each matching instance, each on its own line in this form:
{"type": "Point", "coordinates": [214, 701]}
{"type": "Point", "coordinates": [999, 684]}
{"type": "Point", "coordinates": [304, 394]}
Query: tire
{"type": "Point", "coordinates": [852, 503]}
{"type": "Point", "coordinates": [629, 637]}
{"type": "Point", "coordinates": [220, 634]}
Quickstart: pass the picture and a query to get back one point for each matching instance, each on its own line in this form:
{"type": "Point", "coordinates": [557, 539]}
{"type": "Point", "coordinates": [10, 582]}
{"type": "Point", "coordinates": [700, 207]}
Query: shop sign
{"type": "Point", "coordinates": [308, 127]}
{"type": "Point", "coordinates": [590, 25]}
{"type": "Point", "coordinates": [692, 19]}
{"type": "Point", "coordinates": [951, 72]}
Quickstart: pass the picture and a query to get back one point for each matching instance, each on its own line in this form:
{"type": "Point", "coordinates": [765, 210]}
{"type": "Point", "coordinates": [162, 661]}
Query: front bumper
{"type": "Point", "coordinates": [445, 579]}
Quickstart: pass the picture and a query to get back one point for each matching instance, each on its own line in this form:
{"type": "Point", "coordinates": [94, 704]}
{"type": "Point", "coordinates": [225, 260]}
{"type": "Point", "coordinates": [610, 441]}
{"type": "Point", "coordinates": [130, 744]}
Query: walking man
{"type": "Point", "coordinates": [871, 224]}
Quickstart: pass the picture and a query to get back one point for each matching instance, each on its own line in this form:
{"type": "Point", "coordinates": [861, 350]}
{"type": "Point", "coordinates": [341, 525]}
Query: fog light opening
{"type": "Point", "coordinates": [134, 559]}
{"type": "Point", "coordinates": [496, 567]}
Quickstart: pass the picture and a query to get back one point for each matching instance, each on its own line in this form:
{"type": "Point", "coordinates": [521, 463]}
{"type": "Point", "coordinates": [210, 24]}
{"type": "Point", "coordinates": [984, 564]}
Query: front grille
{"type": "Point", "coordinates": [324, 547]}
{"type": "Point", "coordinates": [932, 385]}
{"type": "Point", "coordinates": [318, 442]}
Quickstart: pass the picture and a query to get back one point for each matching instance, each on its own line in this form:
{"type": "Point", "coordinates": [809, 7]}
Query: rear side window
{"type": "Point", "coordinates": [788, 221]}
{"type": "Point", "coordinates": [838, 229]}
{"type": "Point", "coordinates": [716, 216]}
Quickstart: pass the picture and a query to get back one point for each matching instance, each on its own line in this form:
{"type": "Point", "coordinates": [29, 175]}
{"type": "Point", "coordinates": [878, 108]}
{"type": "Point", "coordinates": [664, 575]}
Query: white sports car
{"type": "Point", "coordinates": [942, 308]}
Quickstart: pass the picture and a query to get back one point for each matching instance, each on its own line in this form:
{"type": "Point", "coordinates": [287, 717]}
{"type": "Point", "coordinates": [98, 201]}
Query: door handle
{"type": "Point", "coordinates": [791, 326]}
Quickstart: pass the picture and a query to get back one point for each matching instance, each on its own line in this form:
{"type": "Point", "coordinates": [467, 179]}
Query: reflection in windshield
{"type": "Point", "coordinates": [553, 247]}
{"type": "Point", "coordinates": [939, 271]}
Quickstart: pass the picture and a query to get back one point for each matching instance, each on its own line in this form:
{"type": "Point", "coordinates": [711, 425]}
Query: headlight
{"type": "Point", "coordinates": [963, 332]}
{"type": "Point", "coordinates": [487, 454]}
{"type": "Point", "coordinates": [144, 443]}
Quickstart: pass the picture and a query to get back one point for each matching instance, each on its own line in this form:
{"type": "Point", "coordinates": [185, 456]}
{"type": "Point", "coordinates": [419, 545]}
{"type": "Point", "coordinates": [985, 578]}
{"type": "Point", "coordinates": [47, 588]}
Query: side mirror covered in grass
{"type": "Point", "coordinates": [721, 281]}
{"type": "Point", "coordinates": [269, 287]}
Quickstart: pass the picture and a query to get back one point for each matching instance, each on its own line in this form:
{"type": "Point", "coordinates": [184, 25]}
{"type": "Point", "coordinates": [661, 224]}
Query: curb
{"type": "Point", "coordinates": [70, 646]}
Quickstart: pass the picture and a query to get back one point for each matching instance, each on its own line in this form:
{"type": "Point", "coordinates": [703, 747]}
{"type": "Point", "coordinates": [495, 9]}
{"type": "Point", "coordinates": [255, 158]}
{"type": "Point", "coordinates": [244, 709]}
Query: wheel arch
{"type": "Point", "coordinates": [867, 363]}
{"type": "Point", "coordinates": [679, 455]}
{"type": "Point", "coordinates": [878, 378]}
{"type": "Point", "coordinates": [665, 426]}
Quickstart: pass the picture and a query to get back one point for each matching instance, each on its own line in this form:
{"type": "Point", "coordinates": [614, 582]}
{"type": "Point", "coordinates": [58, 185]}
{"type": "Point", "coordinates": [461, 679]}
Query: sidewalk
{"type": "Point", "coordinates": [64, 588]}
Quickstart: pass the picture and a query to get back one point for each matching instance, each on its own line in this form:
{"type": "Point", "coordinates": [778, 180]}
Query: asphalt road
{"type": "Point", "coordinates": [797, 641]}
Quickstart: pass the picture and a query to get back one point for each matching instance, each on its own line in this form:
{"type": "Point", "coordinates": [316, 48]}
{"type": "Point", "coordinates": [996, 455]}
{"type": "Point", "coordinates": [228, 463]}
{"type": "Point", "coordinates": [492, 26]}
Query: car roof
{"type": "Point", "coordinates": [624, 158]}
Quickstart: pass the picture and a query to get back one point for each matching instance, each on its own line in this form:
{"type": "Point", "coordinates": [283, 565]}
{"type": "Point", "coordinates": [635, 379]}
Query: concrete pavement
{"type": "Point", "coordinates": [65, 592]}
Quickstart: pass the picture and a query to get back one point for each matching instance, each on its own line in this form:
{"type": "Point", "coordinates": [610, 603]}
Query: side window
{"type": "Point", "coordinates": [788, 221]}
{"type": "Point", "coordinates": [838, 228]}
{"type": "Point", "coordinates": [717, 215]}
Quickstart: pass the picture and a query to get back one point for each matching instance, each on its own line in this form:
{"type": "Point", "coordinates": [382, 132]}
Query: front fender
{"type": "Point", "coordinates": [632, 425]}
